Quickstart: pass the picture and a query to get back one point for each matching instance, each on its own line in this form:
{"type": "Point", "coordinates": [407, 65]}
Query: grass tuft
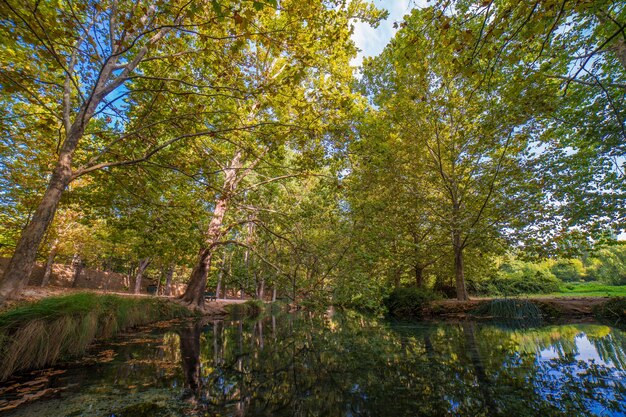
{"type": "Point", "coordinates": [39, 334]}
{"type": "Point", "coordinates": [509, 309]}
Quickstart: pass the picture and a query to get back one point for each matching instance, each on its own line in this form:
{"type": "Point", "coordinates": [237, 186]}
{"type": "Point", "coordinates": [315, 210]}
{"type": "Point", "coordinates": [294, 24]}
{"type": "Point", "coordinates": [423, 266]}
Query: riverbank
{"type": "Point", "coordinates": [48, 325]}
{"type": "Point", "coordinates": [551, 308]}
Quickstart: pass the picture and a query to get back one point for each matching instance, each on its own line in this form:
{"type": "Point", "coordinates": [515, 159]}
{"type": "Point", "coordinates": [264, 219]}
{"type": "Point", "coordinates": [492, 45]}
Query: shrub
{"type": "Point", "coordinates": [249, 309]}
{"type": "Point", "coordinates": [608, 264]}
{"type": "Point", "coordinates": [569, 270]}
{"type": "Point", "coordinates": [517, 278]}
{"type": "Point", "coordinates": [408, 301]}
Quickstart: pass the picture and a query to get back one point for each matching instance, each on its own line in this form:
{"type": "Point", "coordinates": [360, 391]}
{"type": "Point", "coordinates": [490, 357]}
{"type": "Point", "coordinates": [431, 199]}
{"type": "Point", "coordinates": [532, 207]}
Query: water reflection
{"type": "Point", "coordinates": [349, 365]}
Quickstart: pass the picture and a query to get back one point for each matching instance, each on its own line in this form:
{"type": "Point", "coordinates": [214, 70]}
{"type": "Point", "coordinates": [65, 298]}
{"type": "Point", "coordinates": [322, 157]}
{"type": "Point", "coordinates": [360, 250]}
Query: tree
{"type": "Point", "coordinates": [298, 83]}
{"type": "Point", "coordinates": [464, 139]}
{"type": "Point", "coordinates": [85, 75]}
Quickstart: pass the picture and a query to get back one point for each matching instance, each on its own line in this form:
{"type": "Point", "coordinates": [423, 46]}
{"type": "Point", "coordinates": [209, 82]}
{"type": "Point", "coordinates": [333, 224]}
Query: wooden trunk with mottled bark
{"type": "Point", "coordinates": [194, 293]}
{"type": "Point", "coordinates": [143, 265]}
{"type": "Point", "coordinates": [459, 269]}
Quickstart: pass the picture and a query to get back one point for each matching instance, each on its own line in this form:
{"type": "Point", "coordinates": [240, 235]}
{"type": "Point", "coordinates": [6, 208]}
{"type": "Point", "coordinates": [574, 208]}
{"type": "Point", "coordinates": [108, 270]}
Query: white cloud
{"type": "Point", "coordinates": [372, 41]}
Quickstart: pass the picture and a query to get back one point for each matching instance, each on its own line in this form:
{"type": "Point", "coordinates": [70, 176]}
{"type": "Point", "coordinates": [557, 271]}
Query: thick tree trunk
{"type": "Point", "coordinates": [194, 293]}
{"type": "Point", "coordinates": [49, 263]}
{"type": "Point", "coordinates": [23, 260]}
{"type": "Point", "coordinates": [143, 265]}
{"type": "Point", "coordinates": [459, 269]}
{"type": "Point", "coordinates": [77, 264]}
{"type": "Point", "coordinates": [168, 280]}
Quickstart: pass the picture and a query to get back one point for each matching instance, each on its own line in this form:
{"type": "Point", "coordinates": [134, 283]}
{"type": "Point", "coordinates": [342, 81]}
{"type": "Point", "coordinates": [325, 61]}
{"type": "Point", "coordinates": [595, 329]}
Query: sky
{"type": "Point", "coordinates": [372, 41]}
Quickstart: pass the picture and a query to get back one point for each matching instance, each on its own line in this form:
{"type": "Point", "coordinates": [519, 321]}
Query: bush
{"type": "Point", "coordinates": [408, 301]}
{"type": "Point", "coordinates": [569, 270]}
{"type": "Point", "coordinates": [608, 264]}
{"type": "Point", "coordinates": [518, 278]}
{"type": "Point", "coordinates": [249, 309]}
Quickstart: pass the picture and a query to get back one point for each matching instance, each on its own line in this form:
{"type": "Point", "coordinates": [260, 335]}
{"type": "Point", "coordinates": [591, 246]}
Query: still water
{"type": "Point", "coordinates": [336, 365]}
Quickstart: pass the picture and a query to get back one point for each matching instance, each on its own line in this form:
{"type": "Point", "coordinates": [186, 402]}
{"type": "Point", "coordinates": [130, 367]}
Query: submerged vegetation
{"type": "Point", "coordinates": [39, 334]}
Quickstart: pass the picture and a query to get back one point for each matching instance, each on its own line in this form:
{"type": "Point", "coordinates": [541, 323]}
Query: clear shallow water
{"type": "Point", "coordinates": [344, 365]}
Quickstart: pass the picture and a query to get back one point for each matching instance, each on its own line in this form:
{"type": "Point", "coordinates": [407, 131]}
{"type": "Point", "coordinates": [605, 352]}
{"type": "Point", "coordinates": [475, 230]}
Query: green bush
{"type": "Point", "coordinates": [569, 270]}
{"type": "Point", "coordinates": [517, 278]}
{"type": "Point", "coordinates": [249, 309]}
{"type": "Point", "coordinates": [608, 264]}
{"type": "Point", "coordinates": [408, 301]}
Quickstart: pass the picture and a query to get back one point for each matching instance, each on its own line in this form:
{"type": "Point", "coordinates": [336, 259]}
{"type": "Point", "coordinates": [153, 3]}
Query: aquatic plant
{"type": "Point", "coordinates": [38, 334]}
{"type": "Point", "coordinates": [509, 308]}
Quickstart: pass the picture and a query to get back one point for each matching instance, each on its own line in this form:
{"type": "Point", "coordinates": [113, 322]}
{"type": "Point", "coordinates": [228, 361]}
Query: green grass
{"type": "Point", "coordinates": [38, 334]}
{"type": "Point", "coordinates": [591, 289]}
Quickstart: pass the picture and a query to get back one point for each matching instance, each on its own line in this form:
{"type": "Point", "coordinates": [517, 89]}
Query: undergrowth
{"type": "Point", "coordinates": [408, 301]}
{"type": "Point", "coordinates": [249, 309]}
{"type": "Point", "coordinates": [39, 334]}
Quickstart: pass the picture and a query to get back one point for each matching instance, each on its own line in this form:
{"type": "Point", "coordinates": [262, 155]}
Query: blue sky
{"type": "Point", "coordinates": [372, 41]}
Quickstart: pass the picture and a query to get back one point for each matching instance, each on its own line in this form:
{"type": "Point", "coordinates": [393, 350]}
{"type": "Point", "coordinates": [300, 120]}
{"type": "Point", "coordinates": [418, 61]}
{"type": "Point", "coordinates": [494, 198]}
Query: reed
{"type": "Point", "coordinates": [39, 334]}
{"type": "Point", "coordinates": [509, 309]}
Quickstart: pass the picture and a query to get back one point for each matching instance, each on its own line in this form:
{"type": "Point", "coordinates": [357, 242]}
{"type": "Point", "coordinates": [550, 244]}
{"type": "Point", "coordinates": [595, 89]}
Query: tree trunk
{"type": "Point", "coordinates": [419, 276]}
{"type": "Point", "coordinates": [274, 294]}
{"type": "Point", "coordinates": [49, 262]}
{"type": "Point", "coordinates": [194, 293]}
{"type": "Point", "coordinates": [143, 265]}
{"type": "Point", "coordinates": [23, 260]}
{"type": "Point", "coordinates": [261, 291]}
{"type": "Point", "coordinates": [168, 280]}
{"type": "Point", "coordinates": [459, 269]}
{"type": "Point", "coordinates": [77, 265]}
{"type": "Point", "coordinates": [220, 277]}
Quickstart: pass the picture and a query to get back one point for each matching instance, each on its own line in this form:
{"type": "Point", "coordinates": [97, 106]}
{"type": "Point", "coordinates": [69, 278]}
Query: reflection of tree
{"type": "Point", "coordinates": [190, 354]}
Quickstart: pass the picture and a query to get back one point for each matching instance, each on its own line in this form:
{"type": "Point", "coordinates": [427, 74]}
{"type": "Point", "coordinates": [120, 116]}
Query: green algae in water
{"type": "Point", "coordinates": [349, 365]}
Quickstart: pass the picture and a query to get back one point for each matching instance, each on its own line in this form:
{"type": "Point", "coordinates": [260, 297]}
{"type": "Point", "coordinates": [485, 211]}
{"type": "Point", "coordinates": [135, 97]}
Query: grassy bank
{"type": "Point", "coordinates": [38, 334]}
{"type": "Point", "coordinates": [591, 289]}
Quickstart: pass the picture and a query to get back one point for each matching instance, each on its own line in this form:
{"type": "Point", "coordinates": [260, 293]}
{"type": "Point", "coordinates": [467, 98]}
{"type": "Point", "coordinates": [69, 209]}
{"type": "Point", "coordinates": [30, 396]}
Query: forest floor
{"type": "Point", "coordinates": [35, 293]}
